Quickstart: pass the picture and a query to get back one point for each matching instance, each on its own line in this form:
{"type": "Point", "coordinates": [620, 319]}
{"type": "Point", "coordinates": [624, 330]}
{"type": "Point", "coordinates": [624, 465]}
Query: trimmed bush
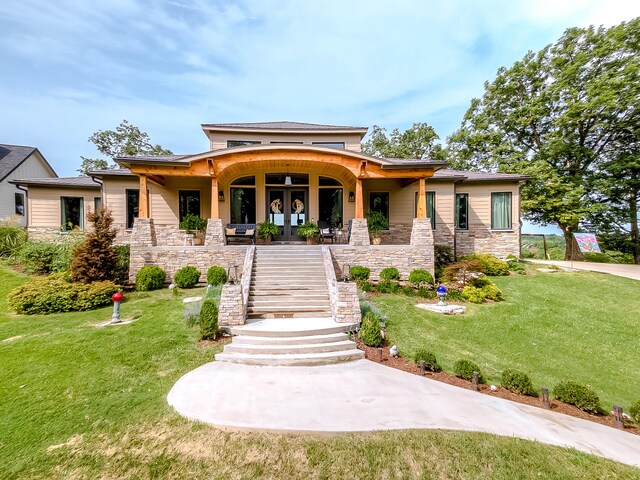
{"type": "Point", "coordinates": [56, 294]}
{"type": "Point", "coordinates": [12, 239]}
{"type": "Point", "coordinates": [366, 287]}
{"type": "Point", "coordinates": [465, 368]}
{"type": "Point", "coordinates": [121, 271]}
{"type": "Point", "coordinates": [150, 277]}
{"type": "Point", "coordinates": [208, 320]}
{"type": "Point", "coordinates": [370, 330]}
{"type": "Point", "coordinates": [42, 258]}
{"type": "Point", "coordinates": [473, 294]}
{"type": "Point", "coordinates": [186, 277]}
{"type": "Point", "coordinates": [517, 382]}
{"type": "Point", "coordinates": [488, 291]}
{"type": "Point", "coordinates": [489, 265]}
{"type": "Point", "coordinates": [420, 278]}
{"type": "Point", "coordinates": [216, 275]}
{"type": "Point", "coordinates": [408, 291]}
{"type": "Point", "coordinates": [634, 411]}
{"type": "Point", "coordinates": [359, 274]}
{"type": "Point", "coordinates": [579, 395]}
{"type": "Point", "coordinates": [390, 273]}
{"type": "Point", "coordinates": [430, 362]}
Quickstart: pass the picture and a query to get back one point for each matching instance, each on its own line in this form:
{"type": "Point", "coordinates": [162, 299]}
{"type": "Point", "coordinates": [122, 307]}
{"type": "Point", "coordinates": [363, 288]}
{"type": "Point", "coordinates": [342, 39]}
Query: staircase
{"type": "Point", "coordinates": [289, 319]}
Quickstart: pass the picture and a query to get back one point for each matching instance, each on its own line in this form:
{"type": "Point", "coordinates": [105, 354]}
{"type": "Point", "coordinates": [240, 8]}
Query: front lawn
{"type": "Point", "coordinates": [560, 326]}
{"type": "Point", "coordinates": [78, 401]}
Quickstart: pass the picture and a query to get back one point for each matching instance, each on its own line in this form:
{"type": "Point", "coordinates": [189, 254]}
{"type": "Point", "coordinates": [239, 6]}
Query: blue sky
{"type": "Point", "coordinates": [70, 68]}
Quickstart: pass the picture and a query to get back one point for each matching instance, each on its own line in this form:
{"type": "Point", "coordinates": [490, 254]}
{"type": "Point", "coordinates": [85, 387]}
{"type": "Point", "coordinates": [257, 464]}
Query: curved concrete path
{"type": "Point", "coordinates": [618, 269]}
{"type": "Point", "coordinates": [366, 396]}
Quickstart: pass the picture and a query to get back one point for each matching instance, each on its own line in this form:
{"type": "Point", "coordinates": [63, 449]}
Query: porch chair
{"type": "Point", "coordinates": [241, 232]}
{"type": "Point", "coordinates": [326, 231]}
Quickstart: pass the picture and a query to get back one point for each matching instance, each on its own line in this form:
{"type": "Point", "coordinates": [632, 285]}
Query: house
{"type": "Point", "coordinates": [17, 161]}
{"type": "Point", "coordinates": [289, 173]}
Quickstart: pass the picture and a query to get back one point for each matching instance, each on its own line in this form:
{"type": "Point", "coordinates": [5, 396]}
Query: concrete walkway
{"type": "Point", "coordinates": [619, 269]}
{"type": "Point", "coordinates": [365, 396]}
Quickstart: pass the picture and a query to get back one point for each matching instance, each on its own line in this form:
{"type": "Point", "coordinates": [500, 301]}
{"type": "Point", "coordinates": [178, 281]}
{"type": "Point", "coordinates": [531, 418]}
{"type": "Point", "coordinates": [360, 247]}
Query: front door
{"type": "Point", "coordinates": [287, 208]}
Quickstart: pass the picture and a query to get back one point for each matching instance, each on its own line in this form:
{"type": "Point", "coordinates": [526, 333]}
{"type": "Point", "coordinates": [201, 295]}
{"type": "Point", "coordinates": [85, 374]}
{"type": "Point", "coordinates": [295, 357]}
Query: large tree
{"type": "Point", "coordinates": [556, 116]}
{"type": "Point", "coordinates": [419, 141]}
{"type": "Point", "coordinates": [125, 140]}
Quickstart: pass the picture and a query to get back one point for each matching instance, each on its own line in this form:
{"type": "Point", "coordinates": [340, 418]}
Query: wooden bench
{"type": "Point", "coordinates": [241, 232]}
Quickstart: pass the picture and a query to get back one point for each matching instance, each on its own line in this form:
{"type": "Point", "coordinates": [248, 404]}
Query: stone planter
{"type": "Point", "coordinates": [267, 240]}
{"type": "Point", "coordinates": [376, 240]}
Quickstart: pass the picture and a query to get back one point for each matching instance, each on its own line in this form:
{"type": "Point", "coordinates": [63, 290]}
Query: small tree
{"type": "Point", "coordinates": [95, 259]}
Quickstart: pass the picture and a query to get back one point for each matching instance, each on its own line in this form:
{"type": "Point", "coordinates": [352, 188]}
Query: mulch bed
{"type": "Point", "coordinates": [220, 340]}
{"type": "Point", "coordinates": [373, 354]}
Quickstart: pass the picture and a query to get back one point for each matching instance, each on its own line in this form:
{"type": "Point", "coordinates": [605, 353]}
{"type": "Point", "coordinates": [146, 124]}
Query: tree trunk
{"type": "Point", "coordinates": [572, 251]}
{"type": "Point", "coordinates": [633, 213]}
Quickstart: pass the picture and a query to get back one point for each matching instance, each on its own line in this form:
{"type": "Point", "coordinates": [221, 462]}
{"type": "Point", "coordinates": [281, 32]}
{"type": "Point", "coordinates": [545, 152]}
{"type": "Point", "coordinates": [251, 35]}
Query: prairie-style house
{"type": "Point", "coordinates": [289, 173]}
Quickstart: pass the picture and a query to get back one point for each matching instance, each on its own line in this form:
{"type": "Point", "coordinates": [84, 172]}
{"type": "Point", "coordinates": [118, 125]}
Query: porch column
{"type": "Point", "coordinates": [359, 200]}
{"type": "Point", "coordinates": [143, 207]}
{"type": "Point", "coordinates": [215, 213]}
{"type": "Point", "coordinates": [422, 198]}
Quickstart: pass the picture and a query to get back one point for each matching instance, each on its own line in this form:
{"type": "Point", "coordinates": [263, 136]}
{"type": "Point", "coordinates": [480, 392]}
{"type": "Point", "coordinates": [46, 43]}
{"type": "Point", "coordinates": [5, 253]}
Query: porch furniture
{"type": "Point", "coordinates": [326, 232]}
{"type": "Point", "coordinates": [341, 236]}
{"type": "Point", "coordinates": [240, 231]}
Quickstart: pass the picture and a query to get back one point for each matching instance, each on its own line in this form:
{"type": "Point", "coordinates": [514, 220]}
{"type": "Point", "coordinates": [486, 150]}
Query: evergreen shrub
{"type": "Point", "coordinates": [517, 382]}
{"type": "Point", "coordinates": [186, 277]}
{"type": "Point", "coordinates": [359, 274]}
{"type": "Point", "coordinates": [94, 259]}
{"type": "Point", "coordinates": [420, 278]}
{"type": "Point", "coordinates": [429, 359]}
{"type": "Point", "coordinates": [208, 320]}
{"type": "Point", "coordinates": [370, 330]}
{"type": "Point", "coordinates": [489, 265]}
{"type": "Point", "coordinates": [150, 277]}
{"type": "Point", "coordinates": [579, 395]}
{"type": "Point", "coordinates": [43, 258]}
{"type": "Point", "coordinates": [465, 368]}
{"type": "Point", "coordinates": [390, 273]}
{"type": "Point", "coordinates": [216, 275]}
{"type": "Point", "coordinates": [634, 411]}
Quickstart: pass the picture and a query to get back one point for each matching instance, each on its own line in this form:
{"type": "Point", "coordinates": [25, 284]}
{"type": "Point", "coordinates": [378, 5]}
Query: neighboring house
{"type": "Point", "coordinates": [289, 173]}
{"type": "Point", "coordinates": [18, 161]}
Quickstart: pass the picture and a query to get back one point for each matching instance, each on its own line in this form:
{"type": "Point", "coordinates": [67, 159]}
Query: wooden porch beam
{"type": "Point", "coordinates": [422, 199]}
{"type": "Point", "coordinates": [359, 199]}
{"type": "Point", "coordinates": [405, 182]}
{"type": "Point", "coordinates": [156, 180]}
{"type": "Point", "coordinates": [143, 206]}
{"type": "Point", "coordinates": [215, 211]}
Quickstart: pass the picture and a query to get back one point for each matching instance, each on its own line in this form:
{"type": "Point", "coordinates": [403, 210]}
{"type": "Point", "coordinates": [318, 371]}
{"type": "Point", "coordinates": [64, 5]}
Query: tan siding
{"type": "Point", "coordinates": [45, 208]}
{"type": "Point", "coordinates": [114, 197]}
{"type": "Point", "coordinates": [219, 140]}
{"type": "Point", "coordinates": [480, 202]}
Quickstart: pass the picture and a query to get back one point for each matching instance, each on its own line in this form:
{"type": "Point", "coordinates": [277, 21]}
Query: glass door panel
{"type": "Point", "coordinates": [276, 202]}
{"type": "Point", "coordinates": [298, 213]}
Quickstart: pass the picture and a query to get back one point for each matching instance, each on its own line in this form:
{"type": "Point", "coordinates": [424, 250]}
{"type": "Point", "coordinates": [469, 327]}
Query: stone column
{"type": "Point", "coordinates": [142, 234]}
{"type": "Point", "coordinates": [215, 232]}
{"type": "Point", "coordinates": [421, 233]}
{"type": "Point", "coordinates": [359, 232]}
{"type": "Point", "coordinates": [231, 307]}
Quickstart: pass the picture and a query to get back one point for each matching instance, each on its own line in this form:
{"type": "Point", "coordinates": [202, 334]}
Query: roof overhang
{"type": "Point", "coordinates": [59, 183]}
{"type": "Point", "coordinates": [362, 131]}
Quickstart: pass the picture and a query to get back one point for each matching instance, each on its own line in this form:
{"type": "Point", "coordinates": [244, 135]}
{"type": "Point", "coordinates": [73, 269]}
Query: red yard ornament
{"type": "Point", "coordinates": [116, 297]}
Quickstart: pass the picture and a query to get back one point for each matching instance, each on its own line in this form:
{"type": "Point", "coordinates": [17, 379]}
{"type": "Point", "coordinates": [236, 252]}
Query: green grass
{"type": "Point", "coordinates": [561, 326]}
{"type": "Point", "coordinates": [78, 401]}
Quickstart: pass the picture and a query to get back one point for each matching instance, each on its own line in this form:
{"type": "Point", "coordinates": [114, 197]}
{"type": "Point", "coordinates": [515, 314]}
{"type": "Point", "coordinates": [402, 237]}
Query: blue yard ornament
{"type": "Point", "coordinates": [441, 292]}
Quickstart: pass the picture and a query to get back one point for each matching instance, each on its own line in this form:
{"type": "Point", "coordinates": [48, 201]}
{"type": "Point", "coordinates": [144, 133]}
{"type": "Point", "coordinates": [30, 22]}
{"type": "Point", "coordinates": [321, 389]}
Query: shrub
{"type": "Point", "coordinates": [359, 274]}
{"type": "Point", "coordinates": [465, 368]}
{"type": "Point", "coordinates": [12, 239]}
{"type": "Point", "coordinates": [192, 222]}
{"type": "Point", "coordinates": [517, 382]}
{"type": "Point", "coordinates": [429, 359]}
{"type": "Point", "coordinates": [390, 273]}
{"type": "Point", "coordinates": [216, 275]}
{"type": "Point", "coordinates": [634, 411]}
{"type": "Point", "coordinates": [94, 259]}
{"type": "Point", "coordinates": [420, 277]}
{"type": "Point", "coordinates": [462, 271]}
{"type": "Point", "coordinates": [454, 295]}
{"type": "Point", "coordinates": [481, 289]}
{"type": "Point", "coordinates": [150, 277]}
{"type": "Point", "coordinates": [579, 395]}
{"type": "Point", "coordinates": [489, 265]}
{"type": "Point", "coordinates": [121, 272]}
{"type": "Point", "coordinates": [55, 294]}
{"type": "Point", "coordinates": [367, 306]}
{"type": "Point", "coordinates": [376, 221]}
{"type": "Point", "coordinates": [186, 277]}
{"type": "Point", "coordinates": [426, 293]}
{"type": "Point", "coordinates": [370, 330]}
{"type": "Point", "coordinates": [208, 320]}
{"type": "Point", "coordinates": [473, 294]}
{"type": "Point", "coordinates": [443, 255]}
{"type": "Point", "coordinates": [383, 287]}
{"type": "Point", "coordinates": [43, 258]}
{"type": "Point", "coordinates": [408, 291]}
{"type": "Point", "coordinates": [308, 230]}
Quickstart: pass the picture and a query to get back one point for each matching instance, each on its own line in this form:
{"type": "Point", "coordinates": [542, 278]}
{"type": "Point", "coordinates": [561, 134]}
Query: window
{"type": "Point", "coordinates": [501, 211]}
{"type": "Point", "coordinates": [243, 204]}
{"type": "Point", "coordinates": [462, 211]}
{"type": "Point", "coordinates": [431, 208]}
{"type": "Point", "coordinates": [287, 143]}
{"type": "Point", "coordinates": [188, 203]}
{"type": "Point", "coordinates": [246, 181]}
{"type": "Point", "coordinates": [280, 178]}
{"type": "Point", "coordinates": [133, 200]}
{"type": "Point", "coordinates": [97, 203]}
{"type": "Point", "coordinates": [19, 200]}
{"type": "Point", "coordinates": [379, 202]}
{"type": "Point", "coordinates": [241, 143]}
{"type": "Point", "coordinates": [330, 144]}
{"type": "Point", "coordinates": [71, 209]}
{"type": "Point", "coordinates": [330, 197]}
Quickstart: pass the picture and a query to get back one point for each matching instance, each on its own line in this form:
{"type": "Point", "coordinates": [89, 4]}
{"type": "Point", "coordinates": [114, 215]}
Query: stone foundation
{"type": "Point", "coordinates": [359, 232]}
{"type": "Point", "coordinates": [377, 257]}
{"type": "Point", "coordinates": [54, 235]}
{"type": "Point", "coordinates": [397, 234]}
{"type": "Point", "coordinates": [483, 240]}
{"type": "Point", "coordinates": [345, 305]}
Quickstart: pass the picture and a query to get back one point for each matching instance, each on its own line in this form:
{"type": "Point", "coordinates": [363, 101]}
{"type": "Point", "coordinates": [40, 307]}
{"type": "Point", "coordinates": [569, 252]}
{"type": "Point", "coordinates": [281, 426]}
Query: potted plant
{"type": "Point", "coordinates": [193, 223]}
{"type": "Point", "coordinates": [308, 230]}
{"type": "Point", "coordinates": [267, 230]}
{"type": "Point", "coordinates": [376, 221]}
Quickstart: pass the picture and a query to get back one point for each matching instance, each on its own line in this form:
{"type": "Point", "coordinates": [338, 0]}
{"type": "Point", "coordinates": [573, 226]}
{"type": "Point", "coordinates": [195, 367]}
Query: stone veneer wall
{"type": "Point", "coordinates": [359, 232]}
{"type": "Point", "coordinates": [398, 234]}
{"type": "Point", "coordinates": [51, 234]}
{"type": "Point", "coordinates": [483, 240]}
{"type": "Point", "coordinates": [377, 257]}
{"type": "Point", "coordinates": [345, 305]}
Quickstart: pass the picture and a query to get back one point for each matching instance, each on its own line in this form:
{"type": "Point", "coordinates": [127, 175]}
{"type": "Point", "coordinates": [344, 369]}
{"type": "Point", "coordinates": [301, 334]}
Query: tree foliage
{"type": "Point", "coordinates": [557, 116]}
{"type": "Point", "coordinates": [419, 141]}
{"type": "Point", "coordinates": [95, 259]}
{"type": "Point", "coordinates": [125, 140]}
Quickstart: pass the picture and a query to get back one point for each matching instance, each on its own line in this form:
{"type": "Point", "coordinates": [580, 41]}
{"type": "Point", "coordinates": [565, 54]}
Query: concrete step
{"type": "Point", "coordinates": [259, 283]}
{"type": "Point", "coordinates": [289, 298]}
{"type": "Point", "coordinates": [308, 339]}
{"type": "Point", "coordinates": [271, 315]}
{"type": "Point", "coordinates": [309, 326]}
{"type": "Point", "coordinates": [293, 349]}
{"type": "Point", "coordinates": [290, 360]}
{"type": "Point", "coordinates": [289, 293]}
{"type": "Point", "coordinates": [315, 307]}
{"type": "Point", "coordinates": [273, 290]}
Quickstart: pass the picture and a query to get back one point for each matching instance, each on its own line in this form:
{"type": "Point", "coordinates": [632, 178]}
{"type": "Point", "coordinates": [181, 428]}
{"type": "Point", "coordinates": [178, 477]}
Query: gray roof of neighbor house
{"type": "Point", "coordinates": [283, 125]}
{"type": "Point", "coordinates": [12, 156]}
{"type": "Point", "coordinates": [467, 176]}
{"type": "Point", "coordinates": [116, 172]}
{"type": "Point", "coordinates": [66, 182]}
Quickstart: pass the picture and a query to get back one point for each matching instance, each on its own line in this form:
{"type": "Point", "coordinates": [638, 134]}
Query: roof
{"type": "Point", "coordinates": [284, 126]}
{"type": "Point", "coordinates": [12, 156]}
{"type": "Point", "coordinates": [115, 172]}
{"type": "Point", "coordinates": [65, 182]}
{"type": "Point", "coordinates": [469, 177]}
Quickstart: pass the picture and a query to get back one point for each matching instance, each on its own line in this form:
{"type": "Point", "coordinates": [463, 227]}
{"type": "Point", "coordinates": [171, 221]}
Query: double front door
{"type": "Point", "coordinates": [288, 208]}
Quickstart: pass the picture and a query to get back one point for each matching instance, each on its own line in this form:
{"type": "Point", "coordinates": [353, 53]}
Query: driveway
{"type": "Point", "coordinates": [365, 396]}
{"type": "Point", "coordinates": [621, 270]}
